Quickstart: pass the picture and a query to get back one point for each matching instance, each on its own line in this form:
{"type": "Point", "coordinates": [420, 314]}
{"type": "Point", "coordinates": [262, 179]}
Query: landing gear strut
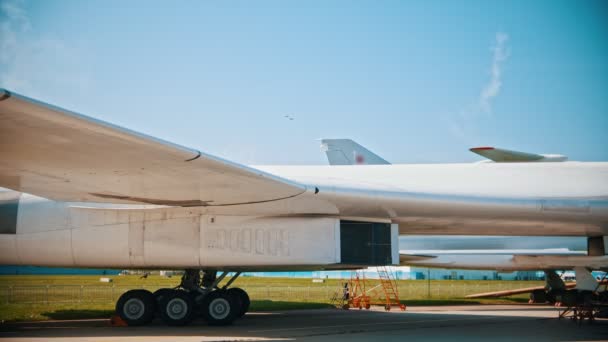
{"type": "Point", "coordinates": [194, 296]}
{"type": "Point", "coordinates": [554, 289]}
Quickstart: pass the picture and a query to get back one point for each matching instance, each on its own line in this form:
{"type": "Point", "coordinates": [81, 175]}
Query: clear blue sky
{"type": "Point", "coordinates": [413, 81]}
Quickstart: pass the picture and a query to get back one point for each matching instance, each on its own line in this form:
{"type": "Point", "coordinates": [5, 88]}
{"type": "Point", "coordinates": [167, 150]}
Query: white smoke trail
{"type": "Point", "coordinates": [492, 88]}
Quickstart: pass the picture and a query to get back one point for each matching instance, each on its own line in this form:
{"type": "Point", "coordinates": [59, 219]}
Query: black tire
{"type": "Point", "coordinates": [136, 307]}
{"type": "Point", "coordinates": [243, 299]}
{"type": "Point", "coordinates": [218, 308]}
{"type": "Point", "coordinates": [570, 298]}
{"type": "Point", "coordinates": [603, 298]}
{"type": "Point", "coordinates": [160, 293]}
{"type": "Point", "coordinates": [585, 297]}
{"type": "Point", "coordinates": [538, 296]}
{"type": "Point", "coordinates": [553, 296]}
{"type": "Point", "coordinates": [176, 308]}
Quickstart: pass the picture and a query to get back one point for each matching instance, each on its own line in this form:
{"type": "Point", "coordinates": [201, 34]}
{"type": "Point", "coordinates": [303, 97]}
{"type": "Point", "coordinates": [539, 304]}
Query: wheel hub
{"type": "Point", "coordinates": [219, 308]}
{"type": "Point", "coordinates": [177, 308]}
{"type": "Point", "coordinates": [134, 308]}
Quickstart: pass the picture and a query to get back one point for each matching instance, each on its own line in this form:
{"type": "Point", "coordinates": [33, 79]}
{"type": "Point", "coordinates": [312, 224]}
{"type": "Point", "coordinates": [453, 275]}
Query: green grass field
{"type": "Point", "coordinates": [44, 297]}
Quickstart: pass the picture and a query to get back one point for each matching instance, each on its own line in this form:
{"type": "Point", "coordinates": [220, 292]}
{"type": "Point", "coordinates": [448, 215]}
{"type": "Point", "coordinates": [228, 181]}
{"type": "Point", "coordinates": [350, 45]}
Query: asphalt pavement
{"type": "Point", "coordinates": [454, 323]}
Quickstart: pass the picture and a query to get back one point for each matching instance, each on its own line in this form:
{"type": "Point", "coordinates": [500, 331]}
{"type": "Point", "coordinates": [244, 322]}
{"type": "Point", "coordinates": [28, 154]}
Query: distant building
{"type": "Point", "coordinates": [400, 272]}
{"type": "Point", "coordinates": [406, 272]}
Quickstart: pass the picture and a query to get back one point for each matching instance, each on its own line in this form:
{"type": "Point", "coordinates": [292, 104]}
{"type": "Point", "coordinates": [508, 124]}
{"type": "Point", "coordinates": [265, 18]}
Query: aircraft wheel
{"type": "Point", "coordinates": [219, 308]}
{"type": "Point", "coordinates": [552, 296]}
{"type": "Point", "coordinates": [243, 298]}
{"type": "Point", "coordinates": [160, 293]}
{"type": "Point", "coordinates": [136, 307]}
{"type": "Point", "coordinates": [585, 297]}
{"type": "Point", "coordinates": [569, 298]}
{"type": "Point", "coordinates": [538, 296]}
{"type": "Point", "coordinates": [176, 308]}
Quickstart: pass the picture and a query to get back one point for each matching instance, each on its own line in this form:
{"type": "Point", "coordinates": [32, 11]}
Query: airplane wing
{"type": "Point", "coordinates": [500, 155]}
{"type": "Point", "coordinates": [406, 258]}
{"type": "Point", "coordinates": [505, 293]}
{"type": "Point", "coordinates": [57, 154]}
{"type": "Point", "coordinates": [505, 262]}
{"type": "Point", "coordinates": [348, 152]}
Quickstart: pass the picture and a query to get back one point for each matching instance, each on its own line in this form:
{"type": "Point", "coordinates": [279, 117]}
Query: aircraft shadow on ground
{"type": "Point", "coordinates": [66, 314]}
{"type": "Point", "coordinates": [256, 305]}
{"type": "Point", "coordinates": [310, 323]}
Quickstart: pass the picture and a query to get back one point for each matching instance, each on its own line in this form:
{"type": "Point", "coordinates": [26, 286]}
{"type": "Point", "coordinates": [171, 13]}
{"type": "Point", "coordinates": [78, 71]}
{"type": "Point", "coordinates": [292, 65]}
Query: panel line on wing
{"type": "Point", "coordinates": [6, 94]}
{"type": "Point", "coordinates": [195, 157]}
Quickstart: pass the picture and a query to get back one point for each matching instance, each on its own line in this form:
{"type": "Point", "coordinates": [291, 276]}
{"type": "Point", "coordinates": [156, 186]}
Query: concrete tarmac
{"type": "Point", "coordinates": [454, 323]}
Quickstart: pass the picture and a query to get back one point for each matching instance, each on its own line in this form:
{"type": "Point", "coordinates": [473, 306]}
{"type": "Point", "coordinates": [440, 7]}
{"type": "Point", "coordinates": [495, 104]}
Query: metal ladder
{"type": "Point", "coordinates": [389, 286]}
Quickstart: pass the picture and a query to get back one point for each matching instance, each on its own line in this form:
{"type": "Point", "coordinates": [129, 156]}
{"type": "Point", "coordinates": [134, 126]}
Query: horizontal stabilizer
{"type": "Point", "coordinates": [500, 155]}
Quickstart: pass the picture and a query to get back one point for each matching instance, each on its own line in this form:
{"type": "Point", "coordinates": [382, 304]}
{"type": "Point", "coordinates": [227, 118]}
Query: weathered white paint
{"type": "Point", "coordinates": [169, 238]}
{"type": "Point", "coordinates": [282, 216]}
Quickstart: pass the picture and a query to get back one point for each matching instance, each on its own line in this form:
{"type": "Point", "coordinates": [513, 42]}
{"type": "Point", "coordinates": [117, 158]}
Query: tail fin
{"type": "Point", "coordinates": [348, 152]}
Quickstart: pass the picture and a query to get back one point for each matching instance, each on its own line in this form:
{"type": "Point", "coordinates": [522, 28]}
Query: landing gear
{"type": "Point", "coordinates": [242, 298]}
{"type": "Point", "coordinates": [570, 298]}
{"type": "Point", "coordinates": [178, 306]}
{"type": "Point", "coordinates": [220, 308]}
{"type": "Point", "coordinates": [538, 296]}
{"type": "Point", "coordinates": [160, 294]}
{"type": "Point", "coordinates": [553, 296]}
{"type": "Point", "coordinates": [136, 307]}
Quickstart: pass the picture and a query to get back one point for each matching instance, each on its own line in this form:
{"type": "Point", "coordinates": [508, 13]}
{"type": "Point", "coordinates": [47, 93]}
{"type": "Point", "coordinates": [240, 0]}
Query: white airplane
{"type": "Point", "coordinates": [86, 193]}
{"type": "Point", "coordinates": [502, 253]}
{"type": "Point", "coordinates": [349, 152]}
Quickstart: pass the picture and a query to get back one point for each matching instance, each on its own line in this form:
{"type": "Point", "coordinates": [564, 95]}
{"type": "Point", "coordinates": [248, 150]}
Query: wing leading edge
{"type": "Point", "coordinates": [57, 154]}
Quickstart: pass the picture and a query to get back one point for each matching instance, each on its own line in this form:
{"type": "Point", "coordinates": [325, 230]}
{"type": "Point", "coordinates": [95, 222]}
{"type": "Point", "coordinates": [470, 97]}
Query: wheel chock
{"type": "Point", "coordinates": [116, 321]}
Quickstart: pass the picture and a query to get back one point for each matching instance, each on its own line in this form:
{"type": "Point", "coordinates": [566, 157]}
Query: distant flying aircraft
{"type": "Point", "coordinates": [86, 193]}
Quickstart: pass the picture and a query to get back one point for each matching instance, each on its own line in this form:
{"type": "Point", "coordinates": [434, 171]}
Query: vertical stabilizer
{"type": "Point", "coordinates": [348, 152]}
